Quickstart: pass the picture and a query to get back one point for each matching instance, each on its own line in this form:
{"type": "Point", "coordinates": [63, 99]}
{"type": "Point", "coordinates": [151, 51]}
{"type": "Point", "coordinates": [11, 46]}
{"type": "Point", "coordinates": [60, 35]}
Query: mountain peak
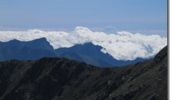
{"type": "Point", "coordinates": [25, 50]}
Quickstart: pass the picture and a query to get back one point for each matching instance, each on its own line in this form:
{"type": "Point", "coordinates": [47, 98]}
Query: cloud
{"type": "Point", "coordinates": [121, 45]}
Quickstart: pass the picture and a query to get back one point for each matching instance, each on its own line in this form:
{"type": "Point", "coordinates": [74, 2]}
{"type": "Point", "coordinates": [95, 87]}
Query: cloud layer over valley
{"type": "Point", "coordinates": [121, 45]}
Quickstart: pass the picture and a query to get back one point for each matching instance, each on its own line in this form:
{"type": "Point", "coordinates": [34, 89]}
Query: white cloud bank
{"type": "Point", "coordinates": [122, 45]}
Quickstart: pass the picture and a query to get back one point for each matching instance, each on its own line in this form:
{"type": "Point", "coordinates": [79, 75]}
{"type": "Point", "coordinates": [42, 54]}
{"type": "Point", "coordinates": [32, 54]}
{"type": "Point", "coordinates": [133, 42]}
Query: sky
{"type": "Point", "coordinates": [143, 16]}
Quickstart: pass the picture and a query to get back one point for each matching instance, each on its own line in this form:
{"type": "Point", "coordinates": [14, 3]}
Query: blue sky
{"type": "Point", "coordinates": [145, 16]}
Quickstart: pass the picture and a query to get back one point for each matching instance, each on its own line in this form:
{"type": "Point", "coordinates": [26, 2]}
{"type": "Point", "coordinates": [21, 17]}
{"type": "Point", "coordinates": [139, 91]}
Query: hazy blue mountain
{"type": "Point", "coordinates": [30, 50]}
{"type": "Point", "coordinates": [91, 54]}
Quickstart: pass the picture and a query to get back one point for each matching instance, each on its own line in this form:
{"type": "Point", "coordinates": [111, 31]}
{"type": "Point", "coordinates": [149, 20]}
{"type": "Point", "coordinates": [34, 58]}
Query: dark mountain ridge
{"type": "Point", "coordinates": [63, 79]}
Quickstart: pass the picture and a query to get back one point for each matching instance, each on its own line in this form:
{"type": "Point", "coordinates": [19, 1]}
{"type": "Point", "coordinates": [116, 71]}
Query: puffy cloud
{"type": "Point", "coordinates": [121, 45]}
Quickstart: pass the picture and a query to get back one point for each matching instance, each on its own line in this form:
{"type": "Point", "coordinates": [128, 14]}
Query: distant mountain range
{"type": "Point", "coordinates": [30, 50]}
{"type": "Point", "coordinates": [36, 49]}
{"type": "Point", "coordinates": [91, 54]}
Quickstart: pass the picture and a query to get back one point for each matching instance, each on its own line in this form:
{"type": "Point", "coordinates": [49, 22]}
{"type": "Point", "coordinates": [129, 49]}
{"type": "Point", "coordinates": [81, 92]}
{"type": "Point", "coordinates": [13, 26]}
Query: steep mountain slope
{"type": "Point", "coordinates": [63, 79]}
{"type": "Point", "coordinates": [30, 50]}
{"type": "Point", "coordinates": [92, 54]}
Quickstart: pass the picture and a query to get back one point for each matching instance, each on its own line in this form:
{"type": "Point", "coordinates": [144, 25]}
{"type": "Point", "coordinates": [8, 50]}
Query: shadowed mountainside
{"type": "Point", "coordinates": [63, 79]}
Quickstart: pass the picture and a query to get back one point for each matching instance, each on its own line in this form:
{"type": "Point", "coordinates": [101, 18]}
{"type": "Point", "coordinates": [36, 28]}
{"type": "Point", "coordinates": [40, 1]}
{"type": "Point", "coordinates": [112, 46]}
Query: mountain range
{"type": "Point", "coordinates": [63, 79]}
{"type": "Point", "coordinates": [21, 50]}
{"type": "Point", "coordinates": [36, 49]}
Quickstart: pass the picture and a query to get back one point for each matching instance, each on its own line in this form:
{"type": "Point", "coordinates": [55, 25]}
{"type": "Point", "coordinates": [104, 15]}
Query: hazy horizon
{"type": "Point", "coordinates": [145, 16]}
